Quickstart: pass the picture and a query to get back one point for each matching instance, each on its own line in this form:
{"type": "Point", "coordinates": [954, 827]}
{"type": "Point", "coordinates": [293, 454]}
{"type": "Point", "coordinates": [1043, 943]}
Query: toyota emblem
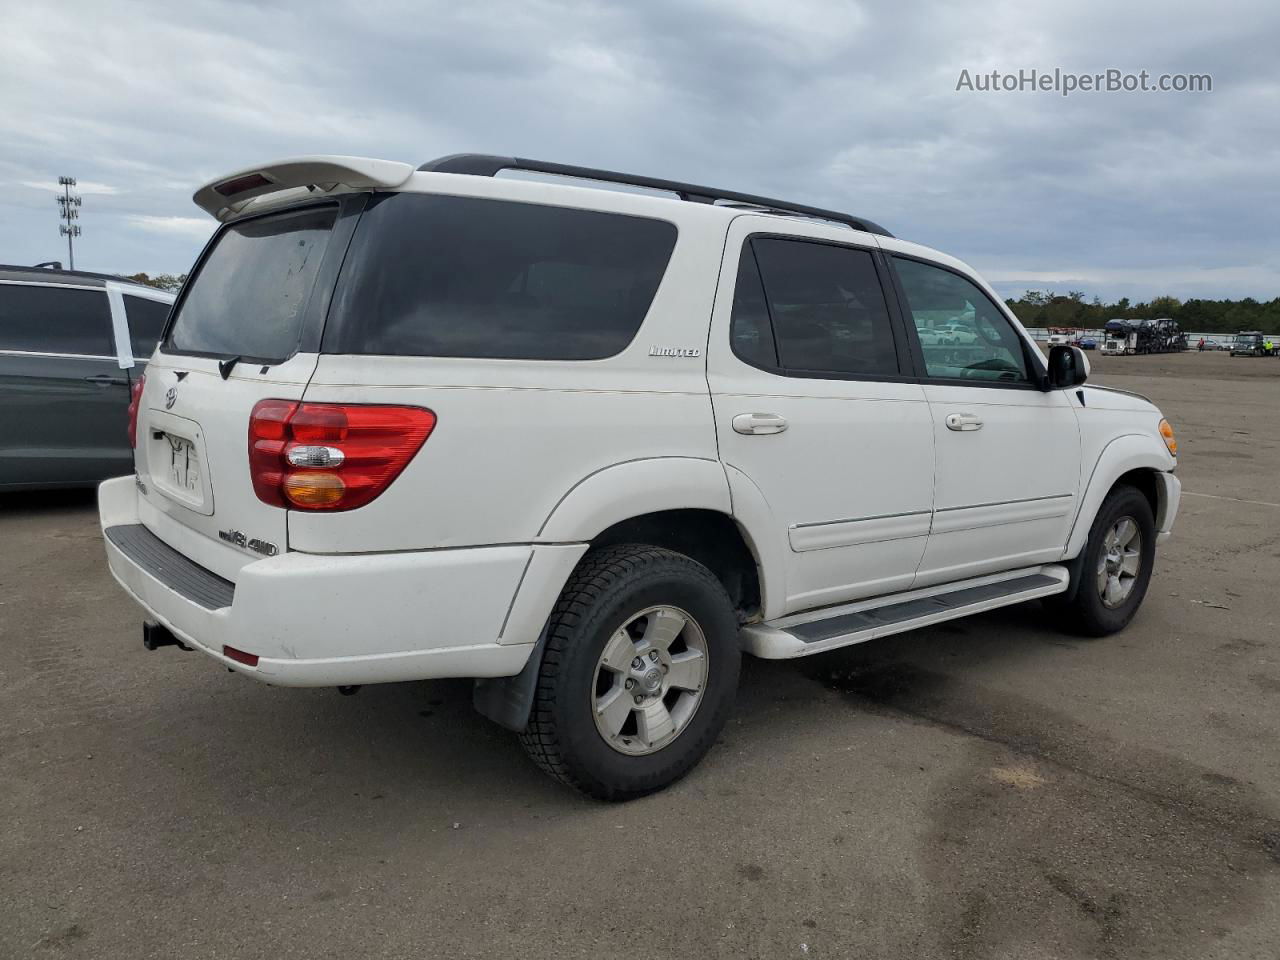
{"type": "Point", "coordinates": [170, 398]}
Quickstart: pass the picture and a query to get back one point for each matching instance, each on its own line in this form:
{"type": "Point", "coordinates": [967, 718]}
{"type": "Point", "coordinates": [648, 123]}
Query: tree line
{"type": "Point", "coordinates": [1048, 309]}
{"type": "Point", "coordinates": [171, 282]}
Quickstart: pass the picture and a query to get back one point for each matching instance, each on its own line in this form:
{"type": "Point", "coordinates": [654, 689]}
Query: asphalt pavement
{"type": "Point", "coordinates": [986, 788]}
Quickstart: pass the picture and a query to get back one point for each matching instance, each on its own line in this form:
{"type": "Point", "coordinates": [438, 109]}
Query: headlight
{"type": "Point", "coordinates": [1166, 432]}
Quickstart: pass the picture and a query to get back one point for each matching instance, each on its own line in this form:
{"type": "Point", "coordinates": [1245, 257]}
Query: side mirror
{"type": "Point", "coordinates": [1068, 367]}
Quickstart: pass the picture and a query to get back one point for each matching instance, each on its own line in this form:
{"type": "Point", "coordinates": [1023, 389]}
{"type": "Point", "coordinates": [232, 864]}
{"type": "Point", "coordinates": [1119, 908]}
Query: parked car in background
{"type": "Point", "coordinates": [590, 446]}
{"type": "Point", "coordinates": [1087, 343]}
{"type": "Point", "coordinates": [71, 345]}
{"type": "Point", "coordinates": [1216, 343]}
{"type": "Point", "coordinates": [958, 334]}
{"type": "Point", "coordinates": [931, 337]}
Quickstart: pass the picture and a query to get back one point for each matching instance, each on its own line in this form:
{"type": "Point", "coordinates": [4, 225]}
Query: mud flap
{"type": "Point", "coordinates": [507, 701]}
{"type": "Point", "coordinates": [1075, 567]}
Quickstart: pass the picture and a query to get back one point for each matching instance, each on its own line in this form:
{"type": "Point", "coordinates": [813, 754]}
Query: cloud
{"type": "Point", "coordinates": [841, 104]}
{"type": "Point", "coordinates": [201, 227]}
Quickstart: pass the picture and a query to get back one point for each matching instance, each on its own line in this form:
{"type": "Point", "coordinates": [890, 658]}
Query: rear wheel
{"type": "Point", "coordinates": [1115, 570]}
{"type": "Point", "coordinates": [638, 675]}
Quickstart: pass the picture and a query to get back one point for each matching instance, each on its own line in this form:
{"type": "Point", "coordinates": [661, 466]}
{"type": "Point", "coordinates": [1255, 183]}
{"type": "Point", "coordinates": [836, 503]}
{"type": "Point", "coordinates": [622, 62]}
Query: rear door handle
{"type": "Point", "coordinates": [106, 380]}
{"type": "Point", "coordinates": [759, 424]}
{"type": "Point", "coordinates": [963, 422]}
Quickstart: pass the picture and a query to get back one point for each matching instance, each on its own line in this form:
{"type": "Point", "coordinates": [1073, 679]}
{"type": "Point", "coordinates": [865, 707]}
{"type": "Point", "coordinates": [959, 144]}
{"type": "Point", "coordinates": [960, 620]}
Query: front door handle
{"type": "Point", "coordinates": [106, 380]}
{"type": "Point", "coordinates": [759, 424]}
{"type": "Point", "coordinates": [963, 422]}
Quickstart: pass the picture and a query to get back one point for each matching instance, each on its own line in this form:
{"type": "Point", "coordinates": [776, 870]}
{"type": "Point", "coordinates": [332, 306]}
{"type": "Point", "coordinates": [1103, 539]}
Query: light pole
{"type": "Point", "coordinates": [69, 210]}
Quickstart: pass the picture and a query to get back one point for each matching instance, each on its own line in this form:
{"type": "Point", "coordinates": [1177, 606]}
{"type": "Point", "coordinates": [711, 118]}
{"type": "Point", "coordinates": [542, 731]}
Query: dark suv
{"type": "Point", "coordinates": [71, 344]}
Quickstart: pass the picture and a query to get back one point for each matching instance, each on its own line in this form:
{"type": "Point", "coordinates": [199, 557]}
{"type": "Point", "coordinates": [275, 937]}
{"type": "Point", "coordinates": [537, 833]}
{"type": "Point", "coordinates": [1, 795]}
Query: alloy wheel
{"type": "Point", "coordinates": [1120, 562]}
{"type": "Point", "coordinates": [649, 680]}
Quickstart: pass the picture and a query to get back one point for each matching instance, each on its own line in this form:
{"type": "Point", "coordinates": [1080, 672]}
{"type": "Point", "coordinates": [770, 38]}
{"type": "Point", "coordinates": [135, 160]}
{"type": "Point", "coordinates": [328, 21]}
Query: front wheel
{"type": "Point", "coordinates": [638, 675]}
{"type": "Point", "coordinates": [1116, 565]}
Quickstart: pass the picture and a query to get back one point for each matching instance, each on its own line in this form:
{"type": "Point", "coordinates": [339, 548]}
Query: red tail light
{"type": "Point", "coordinates": [135, 401]}
{"type": "Point", "coordinates": [331, 456]}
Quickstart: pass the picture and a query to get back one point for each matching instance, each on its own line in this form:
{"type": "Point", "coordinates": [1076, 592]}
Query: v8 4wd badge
{"type": "Point", "coordinates": [264, 547]}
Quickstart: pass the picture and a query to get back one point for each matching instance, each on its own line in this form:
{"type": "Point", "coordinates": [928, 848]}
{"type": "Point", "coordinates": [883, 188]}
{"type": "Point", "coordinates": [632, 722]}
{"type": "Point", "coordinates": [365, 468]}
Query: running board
{"type": "Point", "coordinates": [802, 634]}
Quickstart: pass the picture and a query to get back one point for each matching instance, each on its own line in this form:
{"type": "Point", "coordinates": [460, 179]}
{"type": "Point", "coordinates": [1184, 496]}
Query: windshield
{"type": "Point", "coordinates": [249, 295]}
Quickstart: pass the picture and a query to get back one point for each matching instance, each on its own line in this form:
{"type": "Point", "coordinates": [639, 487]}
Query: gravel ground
{"type": "Point", "coordinates": [986, 788]}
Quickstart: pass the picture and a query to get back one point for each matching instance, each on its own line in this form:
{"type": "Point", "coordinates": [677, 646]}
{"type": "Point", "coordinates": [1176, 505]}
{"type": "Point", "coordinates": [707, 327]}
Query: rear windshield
{"type": "Point", "coordinates": [438, 276]}
{"type": "Point", "coordinates": [250, 294]}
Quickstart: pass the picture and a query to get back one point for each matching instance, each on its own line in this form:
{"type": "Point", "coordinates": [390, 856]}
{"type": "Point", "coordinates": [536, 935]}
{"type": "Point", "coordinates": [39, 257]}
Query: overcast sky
{"type": "Point", "coordinates": [847, 105]}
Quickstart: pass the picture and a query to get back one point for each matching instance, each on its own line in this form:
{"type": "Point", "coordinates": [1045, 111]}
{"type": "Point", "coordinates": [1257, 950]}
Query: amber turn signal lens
{"type": "Point", "coordinates": [1166, 431]}
{"type": "Point", "coordinates": [313, 489]}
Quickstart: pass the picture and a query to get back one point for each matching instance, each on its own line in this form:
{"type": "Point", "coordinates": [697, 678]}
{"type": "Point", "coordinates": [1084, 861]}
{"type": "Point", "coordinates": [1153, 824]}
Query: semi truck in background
{"type": "Point", "coordinates": [1252, 343]}
{"type": "Point", "coordinates": [1161, 335]}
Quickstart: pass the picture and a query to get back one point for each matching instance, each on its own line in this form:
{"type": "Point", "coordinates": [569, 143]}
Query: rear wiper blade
{"type": "Point", "coordinates": [226, 366]}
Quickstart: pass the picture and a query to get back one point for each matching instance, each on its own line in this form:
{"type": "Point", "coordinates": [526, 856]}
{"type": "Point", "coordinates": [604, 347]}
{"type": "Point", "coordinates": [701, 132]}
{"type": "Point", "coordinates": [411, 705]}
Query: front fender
{"type": "Point", "coordinates": [1135, 451]}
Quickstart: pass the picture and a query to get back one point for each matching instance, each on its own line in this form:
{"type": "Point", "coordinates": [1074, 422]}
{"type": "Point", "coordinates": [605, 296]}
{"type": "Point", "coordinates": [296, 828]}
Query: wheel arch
{"type": "Point", "coordinates": [711, 537]}
{"type": "Point", "coordinates": [633, 488]}
{"type": "Point", "coordinates": [1137, 459]}
{"type": "Point", "coordinates": [682, 503]}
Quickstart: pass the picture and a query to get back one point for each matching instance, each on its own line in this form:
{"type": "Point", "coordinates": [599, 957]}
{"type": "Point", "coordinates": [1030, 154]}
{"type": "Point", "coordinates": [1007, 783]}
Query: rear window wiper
{"type": "Point", "coordinates": [226, 366]}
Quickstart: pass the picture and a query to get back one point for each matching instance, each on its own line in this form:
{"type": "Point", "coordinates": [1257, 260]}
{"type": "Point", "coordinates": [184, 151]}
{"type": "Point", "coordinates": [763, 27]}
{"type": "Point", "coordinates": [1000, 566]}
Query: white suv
{"type": "Point", "coordinates": [590, 445]}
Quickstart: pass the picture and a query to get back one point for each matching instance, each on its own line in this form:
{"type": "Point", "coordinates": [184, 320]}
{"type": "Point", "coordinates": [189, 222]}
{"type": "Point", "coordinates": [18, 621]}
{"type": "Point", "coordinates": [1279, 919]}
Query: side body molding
{"type": "Point", "coordinates": [1134, 451]}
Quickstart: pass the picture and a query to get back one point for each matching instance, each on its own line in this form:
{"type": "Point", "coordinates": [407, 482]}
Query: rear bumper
{"type": "Point", "coordinates": [339, 620]}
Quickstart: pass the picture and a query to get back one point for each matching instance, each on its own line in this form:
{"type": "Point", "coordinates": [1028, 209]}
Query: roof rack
{"type": "Point", "coordinates": [53, 268]}
{"type": "Point", "coordinates": [485, 165]}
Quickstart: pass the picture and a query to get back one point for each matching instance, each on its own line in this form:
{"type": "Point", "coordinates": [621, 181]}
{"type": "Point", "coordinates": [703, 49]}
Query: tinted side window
{"type": "Point", "coordinates": [438, 276]}
{"type": "Point", "coordinates": [750, 332]}
{"type": "Point", "coordinates": [963, 334]}
{"type": "Point", "coordinates": [55, 320]}
{"type": "Point", "coordinates": [828, 309]}
{"type": "Point", "coordinates": [146, 323]}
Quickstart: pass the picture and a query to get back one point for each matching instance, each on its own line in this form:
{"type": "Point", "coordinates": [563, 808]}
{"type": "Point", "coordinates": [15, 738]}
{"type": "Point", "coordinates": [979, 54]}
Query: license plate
{"type": "Point", "coordinates": [184, 465]}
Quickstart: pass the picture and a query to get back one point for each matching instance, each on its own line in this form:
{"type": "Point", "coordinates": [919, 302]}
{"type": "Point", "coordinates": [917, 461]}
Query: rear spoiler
{"type": "Point", "coordinates": [229, 194]}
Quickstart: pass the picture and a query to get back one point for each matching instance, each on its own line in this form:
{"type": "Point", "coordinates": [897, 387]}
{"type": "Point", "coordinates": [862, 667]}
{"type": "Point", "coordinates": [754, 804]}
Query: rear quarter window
{"type": "Point", "coordinates": [439, 276]}
{"type": "Point", "coordinates": [38, 319]}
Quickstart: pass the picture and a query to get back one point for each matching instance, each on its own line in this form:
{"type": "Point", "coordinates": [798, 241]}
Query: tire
{"type": "Point", "coordinates": [621, 602]}
{"type": "Point", "coordinates": [1088, 611]}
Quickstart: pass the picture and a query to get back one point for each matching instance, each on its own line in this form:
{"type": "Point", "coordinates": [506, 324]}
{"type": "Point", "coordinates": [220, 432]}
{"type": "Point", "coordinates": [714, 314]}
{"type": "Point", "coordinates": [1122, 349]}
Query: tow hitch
{"type": "Point", "coordinates": [155, 636]}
